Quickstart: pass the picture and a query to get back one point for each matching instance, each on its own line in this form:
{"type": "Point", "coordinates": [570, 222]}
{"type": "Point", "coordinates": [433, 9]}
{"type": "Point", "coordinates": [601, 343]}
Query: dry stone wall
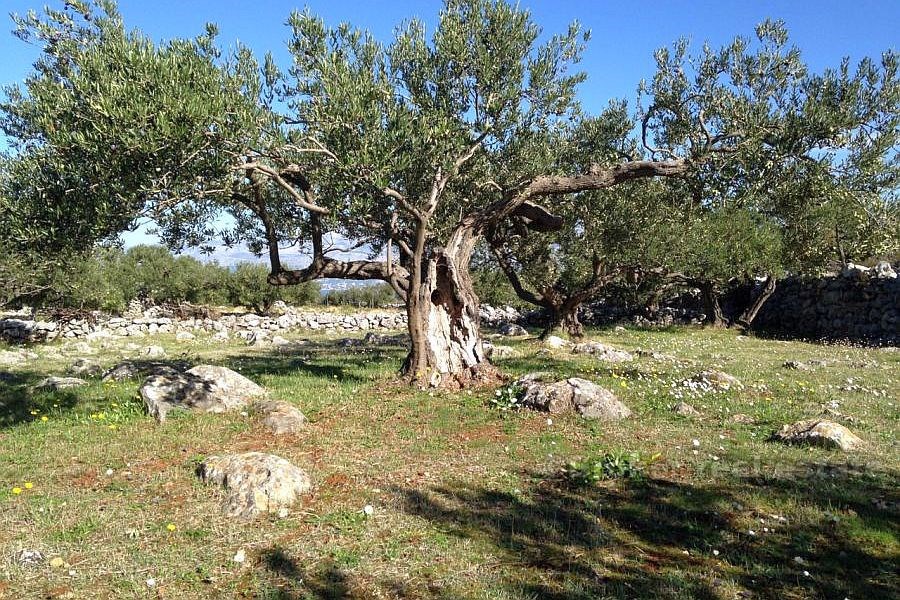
{"type": "Point", "coordinates": [245, 326]}
{"type": "Point", "coordinates": [859, 305]}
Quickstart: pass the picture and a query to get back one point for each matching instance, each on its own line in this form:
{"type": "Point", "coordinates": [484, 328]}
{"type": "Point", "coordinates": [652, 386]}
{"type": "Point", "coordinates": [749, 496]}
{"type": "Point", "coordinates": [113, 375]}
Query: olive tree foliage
{"type": "Point", "coordinates": [790, 171]}
{"type": "Point", "coordinates": [110, 127]}
{"type": "Point", "coordinates": [612, 233]}
{"type": "Point", "coordinates": [247, 285]}
{"type": "Point", "coordinates": [810, 174]}
{"type": "Point", "coordinates": [813, 151]}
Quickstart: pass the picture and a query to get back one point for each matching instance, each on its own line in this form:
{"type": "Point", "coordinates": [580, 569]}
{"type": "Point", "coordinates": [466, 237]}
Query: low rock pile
{"type": "Point", "coordinates": [819, 432]}
{"type": "Point", "coordinates": [247, 326]}
{"type": "Point", "coordinates": [588, 399]}
{"type": "Point", "coordinates": [602, 352]}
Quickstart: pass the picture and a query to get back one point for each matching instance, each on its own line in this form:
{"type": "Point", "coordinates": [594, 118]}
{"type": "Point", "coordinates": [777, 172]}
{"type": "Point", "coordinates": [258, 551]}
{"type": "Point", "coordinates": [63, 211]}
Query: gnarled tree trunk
{"type": "Point", "coordinates": [746, 318]}
{"type": "Point", "coordinates": [711, 306]}
{"type": "Point", "coordinates": [564, 316]}
{"type": "Point", "coordinates": [572, 325]}
{"type": "Point", "coordinates": [444, 326]}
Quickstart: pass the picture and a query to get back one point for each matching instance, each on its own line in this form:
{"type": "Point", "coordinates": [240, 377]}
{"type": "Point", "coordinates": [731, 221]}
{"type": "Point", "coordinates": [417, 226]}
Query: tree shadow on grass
{"type": "Point", "coordinates": [286, 580]}
{"type": "Point", "coordinates": [21, 403]}
{"type": "Point", "coordinates": [319, 359]}
{"type": "Point", "coordinates": [661, 539]}
{"type": "Point", "coordinates": [18, 400]}
{"type": "Point", "coordinates": [562, 367]}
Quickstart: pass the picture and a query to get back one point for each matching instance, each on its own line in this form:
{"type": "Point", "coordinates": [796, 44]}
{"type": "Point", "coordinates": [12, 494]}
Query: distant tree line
{"type": "Point", "coordinates": [109, 278]}
{"type": "Point", "coordinates": [362, 296]}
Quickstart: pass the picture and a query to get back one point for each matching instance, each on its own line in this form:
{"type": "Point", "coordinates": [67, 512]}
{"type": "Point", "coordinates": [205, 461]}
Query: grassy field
{"type": "Point", "coordinates": [469, 501]}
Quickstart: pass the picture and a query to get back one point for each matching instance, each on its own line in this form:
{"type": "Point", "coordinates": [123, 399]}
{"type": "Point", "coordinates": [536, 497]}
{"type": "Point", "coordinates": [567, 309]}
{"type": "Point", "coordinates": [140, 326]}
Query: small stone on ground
{"type": "Point", "coordinates": [86, 367]}
{"type": "Point", "coordinates": [556, 342]}
{"type": "Point", "coordinates": [718, 379]}
{"type": "Point", "coordinates": [512, 330]}
{"type": "Point", "coordinates": [499, 352]}
{"type": "Point", "coordinates": [280, 417]}
{"type": "Point", "coordinates": [54, 384]}
{"type": "Point", "coordinates": [741, 419]}
{"type": "Point", "coordinates": [153, 352]}
{"type": "Point", "coordinates": [686, 410]}
{"type": "Point", "coordinates": [602, 352]}
{"type": "Point", "coordinates": [29, 558]}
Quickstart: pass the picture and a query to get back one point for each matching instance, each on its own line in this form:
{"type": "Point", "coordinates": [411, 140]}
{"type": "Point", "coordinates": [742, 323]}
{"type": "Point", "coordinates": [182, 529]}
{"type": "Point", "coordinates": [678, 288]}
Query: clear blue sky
{"type": "Point", "coordinates": [625, 34]}
{"type": "Point", "coordinates": [620, 54]}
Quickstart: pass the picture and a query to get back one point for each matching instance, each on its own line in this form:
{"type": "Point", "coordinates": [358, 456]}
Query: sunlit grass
{"type": "Point", "coordinates": [467, 499]}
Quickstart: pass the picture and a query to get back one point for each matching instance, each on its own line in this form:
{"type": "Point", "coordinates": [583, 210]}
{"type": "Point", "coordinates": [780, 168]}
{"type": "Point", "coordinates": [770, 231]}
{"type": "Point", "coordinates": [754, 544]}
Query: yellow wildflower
{"type": "Point", "coordinates": [17, 490]}
{"type": "Point", "coordinates": [171, 527]}
{"type": "Point", "coordinates": [28, 485]}
{"type": "Point", "coordinates": [44, 418]}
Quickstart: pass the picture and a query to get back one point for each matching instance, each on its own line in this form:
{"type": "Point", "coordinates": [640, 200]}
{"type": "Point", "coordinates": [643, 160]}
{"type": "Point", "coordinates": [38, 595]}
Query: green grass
{"type": "Point", "coordinates": [469, 500]}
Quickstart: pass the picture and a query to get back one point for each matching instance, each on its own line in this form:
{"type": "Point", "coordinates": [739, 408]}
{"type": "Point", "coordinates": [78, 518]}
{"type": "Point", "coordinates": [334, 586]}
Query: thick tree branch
{"type": "Point", "coordinates": [337, 269]}
{"type": "Point", "coordinates": [513, 276]}
{"type": "Point", "coordinates": [595, 179]}
{"type": "Point", "coordinates": [302, 199]}
{"type": "Point", "coordinates": [538, 218]}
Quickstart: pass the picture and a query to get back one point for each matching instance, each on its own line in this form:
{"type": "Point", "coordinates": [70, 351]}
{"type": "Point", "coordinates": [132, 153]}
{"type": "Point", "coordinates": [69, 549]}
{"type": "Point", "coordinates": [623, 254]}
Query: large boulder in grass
{"type": "Point", "coordinates": [130, 369]}
{"type": "Point", "coordinates": [819, 432]}
{"type": "Point", "coordinates": [204, 388]}
{"type": "Point", "coordinates": [586, 398]}
{"type": "Point", "coordinates": [255, 483]}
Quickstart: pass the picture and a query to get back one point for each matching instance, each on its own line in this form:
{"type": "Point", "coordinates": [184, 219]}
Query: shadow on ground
{"type": "Point", "coordinates": [631, 541]}
{"type": "Point", "coordinates": [21, 403]}
{"type": "Point", "coordinates": [328, 360]}
{"type": "Point", "coordinates": [648, 539]}
{"type": "Point", "coordinates": [18, 401]}
{"type": "Point", "coordinates": [286, 580]}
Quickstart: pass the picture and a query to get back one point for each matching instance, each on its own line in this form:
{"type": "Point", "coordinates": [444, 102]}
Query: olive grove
{"type": "Point", "coordinates": [419, 148]}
